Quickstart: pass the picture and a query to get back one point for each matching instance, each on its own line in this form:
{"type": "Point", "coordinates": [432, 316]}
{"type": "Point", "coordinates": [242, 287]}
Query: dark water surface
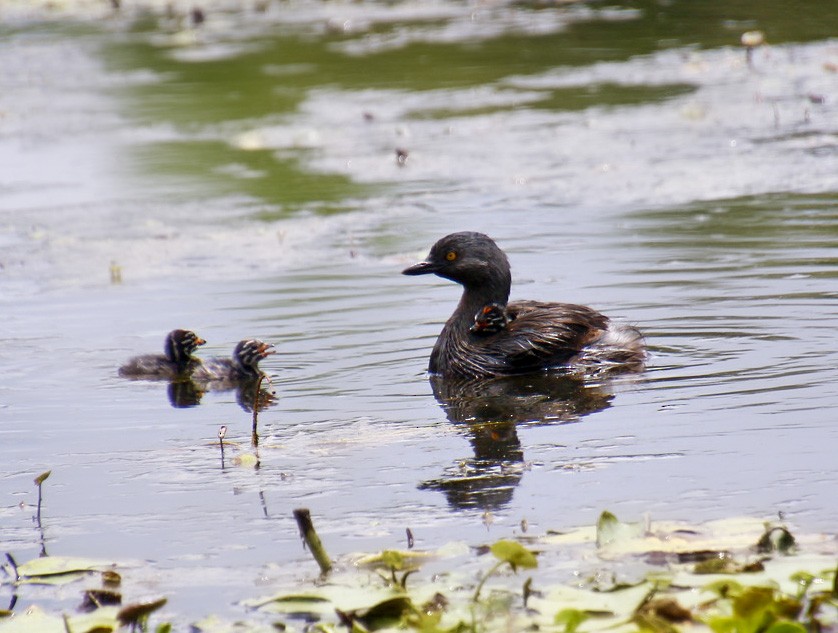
{"type": "Point", "coordinates": [243, 178]}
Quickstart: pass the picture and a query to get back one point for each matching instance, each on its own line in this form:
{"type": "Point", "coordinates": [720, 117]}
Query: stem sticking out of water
{"type": "Point", "coordinates": [222, 432]}
{"type": "Point", "coordinates": [254, 435]}
{"type": "Point", "coordinates": [312, 541]}
{"type": "Point", "coordinates": [39, 480]}
{"type": "Point", "coordinates": [13, 564]}
{"type": "Point", "coordinates": [476, 597]}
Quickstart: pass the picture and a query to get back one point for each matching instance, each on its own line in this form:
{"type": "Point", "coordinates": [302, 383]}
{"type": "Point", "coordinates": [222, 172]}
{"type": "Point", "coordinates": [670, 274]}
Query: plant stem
{"type": "Point", "coordinates": [254, 436]}
{"type": "Point", "coordinates": [489, 573]}
{"type": "Point", "coordinates": [303, 517]}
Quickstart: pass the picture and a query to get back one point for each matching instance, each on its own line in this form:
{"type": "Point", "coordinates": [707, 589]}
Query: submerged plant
{"type": "Point", "coordinates": [509, 553]}
{"type": "Point", "coordinates": [772, 593]}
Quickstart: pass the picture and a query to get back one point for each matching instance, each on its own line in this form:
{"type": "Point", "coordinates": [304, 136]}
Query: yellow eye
{"type": "Point", "coordinates": [451, 256]}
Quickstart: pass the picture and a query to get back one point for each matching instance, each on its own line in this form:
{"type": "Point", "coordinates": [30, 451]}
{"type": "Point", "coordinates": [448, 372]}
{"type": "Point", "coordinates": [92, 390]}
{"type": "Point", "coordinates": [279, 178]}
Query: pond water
{"type": "Point", "coordinates": [243, 179]}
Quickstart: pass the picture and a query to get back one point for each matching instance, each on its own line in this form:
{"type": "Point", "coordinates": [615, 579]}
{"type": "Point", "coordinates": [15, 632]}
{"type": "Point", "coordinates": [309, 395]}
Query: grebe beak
{"type": "Point", "coordinates": [422, 268]}
{"type": "Point", "coordinates": [267, 349]}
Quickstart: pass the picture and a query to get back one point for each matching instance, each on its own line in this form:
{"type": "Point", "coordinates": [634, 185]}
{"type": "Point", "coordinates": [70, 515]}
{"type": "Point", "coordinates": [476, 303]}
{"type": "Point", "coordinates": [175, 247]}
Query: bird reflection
{"type": "Point", "coordinates": [184, 394]}
{"type": "Point", "coordinates": [491, 410]}
{"type": "Point", "coordinates": [187, 393]}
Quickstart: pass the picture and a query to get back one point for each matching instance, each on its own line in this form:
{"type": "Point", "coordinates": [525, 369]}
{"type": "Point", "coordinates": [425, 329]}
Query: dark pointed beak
{"type": "Point", "coordinates": [422, 268]}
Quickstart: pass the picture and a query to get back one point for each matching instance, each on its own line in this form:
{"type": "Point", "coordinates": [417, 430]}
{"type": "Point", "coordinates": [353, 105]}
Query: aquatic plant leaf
{"type": "Point", "coordinates": [110, 578]}
{"type": "Point", "coordinates": [776, 539]}
{"type": "Point", "coordinates": [666, 609]}
{"type": "Point", "coordinates": [136, 612]}
{"type": "Point", "coordinates": [54, 570]}
{"type": "Point", "coordinates": [722, 563]}
{"type": "Point", "coordinates": [425, 622]}
{"type": "Point", "coordinates": [293, 604]}
{"type": "Point", "coordinates": [611, 531]}
{"type": "Point", "coordinates": [384, 614]}
{"type": "Point", "coordinates": [393, 560]}
{"type": "Point", "coordinates": [397, 560]}
{"type": "Point", "coordinates": [214, 624]}
{"type": "Point", "coordinates": [663, 537]}
{"type": "Point", "coordinates": [93, 599]}
{"type": "Point", "coordinates": [34, 620]}
{"type": "Point", "coordinates": [603, 611]}
{"type": "Point", "coordinates": [571, 619]}
{"type": "Point", "coordinates": [652, 623]}
{"type": "Point", "coordinates": [786, 627]}
{"type": "Point", "coordinates": [752, 601]}
{"type": "Point", "coordinates": [515, 554]}
{"type": "Point", "coordinates": [725, 588]}
{"type": "Point", "coordinates": [756, 610]}
{"type": "Point", "coordinates": [246, 460]}
{"type": "Point", "coordinates": [103, 619]}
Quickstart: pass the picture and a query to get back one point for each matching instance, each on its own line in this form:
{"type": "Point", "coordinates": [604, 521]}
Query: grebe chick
{"type": "Point", "coordinates": [538, 336]}
{"type": "Point", "coordinates": [177, 361]}
{"type": "Point", "coordinates": [241, 367]}
{"type": "Point", "coordinates": [490, 319]}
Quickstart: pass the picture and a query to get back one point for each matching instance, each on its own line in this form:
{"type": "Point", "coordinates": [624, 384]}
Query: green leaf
{"type": "Point", "coordinates": [571, 619]}
{"type": "Point", "coordinates": [722, 563]}
{"type": "Point", "coordinates": [606, 527]}
{"type": "Point", "coordinates": [246, 460]}
{"type": "Point", "coordinates": [138, 611]}
{"type": "Point", "coordinates": [776, 539]}
{"type": "Point", "coordinates": [725, 588]}
{"type": "Point", "coordinates": [611, 531]}
{"type": "Point", "coordinates": [392, 560]}
{"type": "Point", "coordinates": [786, 627]}
{"type": "Point", "coordinates": [515, 554]}
{"type": "Point", "coordinates": [385, 614]}
{"type": "Point", "coordinates": [57, 570]}
{"type": "Point", "coordinates": [214, 624]}
{"type": "Point", "coordinates": [302, 604]}
{"type": "Point", "coordinates": [34, 620]}
{"type": "Point", "coordinates": [723, 624]}
{"type": "Point", "coordinates": [753, 601]}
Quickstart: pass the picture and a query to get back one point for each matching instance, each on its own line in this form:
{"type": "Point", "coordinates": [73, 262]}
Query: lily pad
{"type": "Point", "coordinates": [293, 604]}
{"type": "Point", "coordinates": [515, 554]}
{"type": "Point", "coordinates": [397, 560]}
{"type": "Point", "coordinates": [34, 620]}
{"type": "Point", "coordinates": [58, 570]}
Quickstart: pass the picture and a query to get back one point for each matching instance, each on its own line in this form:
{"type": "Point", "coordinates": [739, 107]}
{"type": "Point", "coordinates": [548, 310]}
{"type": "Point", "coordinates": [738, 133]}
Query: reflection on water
{"type": "Point", "coordinates": [491, 410]}
{"type": "Point", "coordinates": [187, 393]}
{"type": "Point", "coordinates": [533, 398]}
{"type": "Point", "coordinates": [184, 393]}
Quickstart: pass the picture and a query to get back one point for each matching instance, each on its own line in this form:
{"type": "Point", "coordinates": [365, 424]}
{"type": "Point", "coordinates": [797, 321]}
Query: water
{"type": "Point", "coordinates": [247, 185]}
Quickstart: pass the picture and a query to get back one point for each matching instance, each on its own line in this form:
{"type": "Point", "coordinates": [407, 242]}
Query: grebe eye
{"type": "Point", "coordinates": [451, 256]}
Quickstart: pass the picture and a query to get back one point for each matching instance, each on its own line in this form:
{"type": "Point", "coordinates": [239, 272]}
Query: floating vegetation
{"type": "Point", "coordinates": [733, 576]}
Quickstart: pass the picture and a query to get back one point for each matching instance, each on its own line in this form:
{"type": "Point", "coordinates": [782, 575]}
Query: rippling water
{"type": "Point", "coordinates": [246, 184]}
